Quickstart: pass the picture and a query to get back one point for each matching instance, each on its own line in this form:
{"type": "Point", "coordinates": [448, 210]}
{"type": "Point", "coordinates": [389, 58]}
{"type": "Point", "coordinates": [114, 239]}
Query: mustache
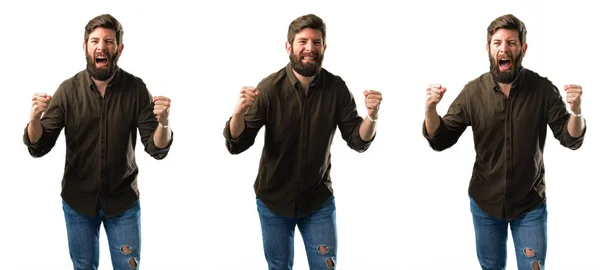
{"type": "Point", "coordinates": [508, 55]}
{"type": "Point", "coordinates": [104, 53]}
{"type": "Point", "coordinates": [311, 54]}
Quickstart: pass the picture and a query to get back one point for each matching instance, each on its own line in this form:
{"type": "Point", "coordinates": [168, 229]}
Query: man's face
{"type": "Point", "coordinates": [307, 51]}
{"type": "Point", "coordinates": [102, 53]}
{"type": "Point", "coordinates": [506, 54]}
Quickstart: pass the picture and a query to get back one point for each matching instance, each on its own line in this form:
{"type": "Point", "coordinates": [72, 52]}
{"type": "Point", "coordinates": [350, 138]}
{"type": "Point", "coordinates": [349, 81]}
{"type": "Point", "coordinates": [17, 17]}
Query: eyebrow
{"type": "Point", "coordinates": [508, 39]}
{"type": "Point", "coordinates": [316, 39]}
{"type": "Point", "coordinates": [97, 38]}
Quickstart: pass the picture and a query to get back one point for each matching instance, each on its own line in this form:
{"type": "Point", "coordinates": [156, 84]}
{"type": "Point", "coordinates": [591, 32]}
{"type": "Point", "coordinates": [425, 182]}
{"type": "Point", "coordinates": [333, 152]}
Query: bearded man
{"type": "Point", "coordinates": [301, 105]}
{"type": "Point", "coordinates": [509, 109]}
{"type": "Point", "coordinates": [101, 110]}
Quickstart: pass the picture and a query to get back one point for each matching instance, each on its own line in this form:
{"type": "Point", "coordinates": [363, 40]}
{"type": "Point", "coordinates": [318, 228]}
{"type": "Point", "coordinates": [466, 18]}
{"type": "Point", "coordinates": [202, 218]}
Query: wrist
{"type": "Point", "coordinates": [432, 111]}
{"type": "Point", "coordinates": [373, 116]}
{"type": "Point", "coordinates": [238, 115]}
{"type": "Point", "coordinates": [163, 124]}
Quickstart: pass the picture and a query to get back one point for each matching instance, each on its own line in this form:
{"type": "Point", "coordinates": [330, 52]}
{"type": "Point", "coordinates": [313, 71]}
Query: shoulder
{"type": "Point", "coordinates": [273, 81]}
{"type": "Point", "coordinates": [130, 81]}
{"type": "Point", "coordinates": [73, 85]}
{"type": "Point", "coordinates": [333, 81]}
{"type": "Point", "coordinates": [483, 81]}
{"type": "Point", "coordinates": [79, 79]}
{"type": "Point", "coordinates": [536, 81]}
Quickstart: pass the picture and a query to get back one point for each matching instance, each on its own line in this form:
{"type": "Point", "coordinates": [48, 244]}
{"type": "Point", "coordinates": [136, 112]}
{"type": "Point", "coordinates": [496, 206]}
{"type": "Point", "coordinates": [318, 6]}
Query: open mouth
{"type": "Point", "coordinates": [308, 58]}
{"type": "Point", "coordinates": [101, 60]}
{"type": "Point", "coordinates": [504, 64]}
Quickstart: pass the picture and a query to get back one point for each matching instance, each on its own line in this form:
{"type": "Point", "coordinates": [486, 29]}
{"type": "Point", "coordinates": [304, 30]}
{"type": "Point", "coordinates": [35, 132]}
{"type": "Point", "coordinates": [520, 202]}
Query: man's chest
{"type": "Point", "coordinates": [496, 112]}
{"type": "Point", "coordinates": [92, 112]}
{"type": "Point", "coordinates": [295, 111]}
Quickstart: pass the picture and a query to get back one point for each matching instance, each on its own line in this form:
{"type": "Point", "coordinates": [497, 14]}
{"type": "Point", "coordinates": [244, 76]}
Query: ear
{"type": "Point", "coordinates": [288, 48]}
{"type": "Point", "coordinates": [84, 48]}
{"type": "Point", "coordinates": [524, 49]}
{"type": "Point", "coordinates": [487, 47]}
{"type": "Point", "coordinates": [324, 47]}
{"type": "Point", "coordinates": [121, 48]}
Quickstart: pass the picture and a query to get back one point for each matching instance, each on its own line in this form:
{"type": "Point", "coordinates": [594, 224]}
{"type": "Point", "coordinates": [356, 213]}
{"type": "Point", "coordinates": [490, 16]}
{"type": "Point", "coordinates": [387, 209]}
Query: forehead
{"type": "Point", "coordinates": [309, 33]}
{"type": "Point", "coordinates": [505, 34]}
{"type": "Point", "coordinates": [104, 33]}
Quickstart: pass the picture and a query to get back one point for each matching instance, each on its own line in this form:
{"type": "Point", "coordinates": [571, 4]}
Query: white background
{"type": "Point", "coordinates": [400, 205]}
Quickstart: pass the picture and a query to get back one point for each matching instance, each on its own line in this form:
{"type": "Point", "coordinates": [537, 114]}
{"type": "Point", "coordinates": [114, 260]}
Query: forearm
{"type": "Point", "coordinates": [35, 130]}
{"type": "Point", "coordinates": [237, 125]}
{"type": "Point", "coordinates": [575, 126]}
{"type": "Point", "coordinates": [432, 121]}
{"type": "Point", "coordinates": [367, 129]}
{"type": "Point", "coordinates": [162, 136]}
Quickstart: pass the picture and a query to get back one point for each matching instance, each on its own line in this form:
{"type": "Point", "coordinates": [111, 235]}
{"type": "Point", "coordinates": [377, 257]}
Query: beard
{"type": "Point", "coordinates": [306, 69]}
{"type": "Point", "coordinates": [506, 76]}
{"type": "Point", "coordinates": [102, 73]}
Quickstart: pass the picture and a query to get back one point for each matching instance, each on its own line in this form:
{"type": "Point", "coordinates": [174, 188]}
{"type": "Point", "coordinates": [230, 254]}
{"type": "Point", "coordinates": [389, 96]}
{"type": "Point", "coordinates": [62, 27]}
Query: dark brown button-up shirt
{"type": "Point", "coordinates": [294, 171]}
{"type": "Point", "coordinates": [509, 135]}
{"type": "Point", "coordinates": [100, 132]}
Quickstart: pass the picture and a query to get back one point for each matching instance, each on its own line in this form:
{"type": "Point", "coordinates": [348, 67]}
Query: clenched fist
{"type": "Point", "coordinates": [372, 101]}
{"type": "Point", "coordinates": [161, 109]}
{"type": "Point", "coordinates": [248, 95]}
{"type": "Point", "coordinates": [435, 93]}
{"type": "Point", "coordinates": [39, 104]}
{"type": "Point", "coordinates": [574, 93]}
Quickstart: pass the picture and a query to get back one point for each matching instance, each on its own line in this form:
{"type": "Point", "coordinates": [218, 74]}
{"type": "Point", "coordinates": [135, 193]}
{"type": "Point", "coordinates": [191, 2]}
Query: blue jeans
{"type": "Point", "coordinates": [529, 234]}
{"type": "Point", "coordinates": [318, 231]}
{"type": "Point", "coordinates": [122, 231]}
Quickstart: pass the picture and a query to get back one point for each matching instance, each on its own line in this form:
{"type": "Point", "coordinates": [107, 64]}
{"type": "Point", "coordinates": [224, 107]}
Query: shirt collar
{"type": "Point", "coordinates": [294, 80]}
{"type": "Point", "coordinates": [515, 84]}
{"type": "Point", "coordinates": [92, 86]}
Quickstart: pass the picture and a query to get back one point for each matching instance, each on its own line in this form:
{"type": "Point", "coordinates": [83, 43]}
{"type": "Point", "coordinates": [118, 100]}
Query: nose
{"type": "Point", "coordinates": [503, 47]}
{"type": "Point", "coordinates": [101, 46]}
{"type": "Point", "coordinates": [309, 46]}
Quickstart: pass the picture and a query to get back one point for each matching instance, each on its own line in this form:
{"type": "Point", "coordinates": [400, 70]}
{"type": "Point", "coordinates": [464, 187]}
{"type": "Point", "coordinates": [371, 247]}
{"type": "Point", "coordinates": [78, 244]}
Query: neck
{"type": "Point", "coordinates": [304, 81]}
{"type": "Point", "coordinates": [101, 85]}
{"type": "Point", "coordinates": [505, 88]}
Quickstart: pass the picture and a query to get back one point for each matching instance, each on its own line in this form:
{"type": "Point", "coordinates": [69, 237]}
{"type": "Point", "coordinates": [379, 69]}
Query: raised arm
{"type": "Point", "coordinates": [248, 118]}
{"type": "Point", "coordinates": [442, 133]}
{"type": "Point", "coordinates": [156, 138]}
{"type": "Point", "coordinates": [568, 129]}
{"type": "Point", "coordinates": [42, 132]}
{"type": "Point", "coordinates": [358, 133]}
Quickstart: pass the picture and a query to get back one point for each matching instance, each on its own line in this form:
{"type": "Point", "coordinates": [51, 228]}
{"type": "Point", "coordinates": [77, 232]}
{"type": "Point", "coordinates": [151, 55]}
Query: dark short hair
{"type": "Point", "coordinates": [104, 21]}
{"type": "Point", "coordinates": [509, 22]}
{"type": "Point", "coordinates": [306, 21]}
